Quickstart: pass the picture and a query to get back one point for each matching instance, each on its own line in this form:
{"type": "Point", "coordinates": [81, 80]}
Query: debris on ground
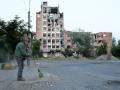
{"type": "Point", "coordinates": [104, 57]}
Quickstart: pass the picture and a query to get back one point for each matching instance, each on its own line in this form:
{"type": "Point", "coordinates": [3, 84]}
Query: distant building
{"type": "Point", "coordinates": [100, 38]}
{"type": "Point", "coordinates": [67, 39]}
{"type": "Point", "coordinates": [103, 37]}
{"type": "Point", "coordinates": [49, 28]}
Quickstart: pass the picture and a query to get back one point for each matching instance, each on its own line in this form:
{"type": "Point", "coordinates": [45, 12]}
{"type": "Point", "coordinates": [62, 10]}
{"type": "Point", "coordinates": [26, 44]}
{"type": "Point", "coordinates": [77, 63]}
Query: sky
{"type": "Point", "coordinates": [89, 15]}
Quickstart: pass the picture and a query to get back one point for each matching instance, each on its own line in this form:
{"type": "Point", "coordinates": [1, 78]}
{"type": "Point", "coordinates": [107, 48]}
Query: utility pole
{"type": "Point", "coordinates": [29, 25]}
{"type": "Point", "coordinates": [29, 34]}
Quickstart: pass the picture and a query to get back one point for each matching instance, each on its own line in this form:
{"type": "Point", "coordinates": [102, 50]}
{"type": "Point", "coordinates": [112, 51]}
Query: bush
{"type": "Point", "coordinates": [116, 51]}
{"type": "Point", "coordinates": [3, 55]}
{"type": "Point", "coordinates": [77, 57]}
{"type": "Point", "coordinates": [2, 66]}
{"type": "Point", "coordinates": [67, 52]}
{"type": "Point", "coordinates": [102, 49]}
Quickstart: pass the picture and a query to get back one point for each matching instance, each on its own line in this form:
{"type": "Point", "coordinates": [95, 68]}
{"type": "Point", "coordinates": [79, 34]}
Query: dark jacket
{"type": "Point", "coordinates": [21, 50]}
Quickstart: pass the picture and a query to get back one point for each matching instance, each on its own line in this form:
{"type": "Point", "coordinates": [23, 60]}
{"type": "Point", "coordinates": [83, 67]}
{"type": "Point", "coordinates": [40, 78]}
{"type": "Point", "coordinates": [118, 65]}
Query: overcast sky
{"type": "Point", "coordinates": [89, 15]}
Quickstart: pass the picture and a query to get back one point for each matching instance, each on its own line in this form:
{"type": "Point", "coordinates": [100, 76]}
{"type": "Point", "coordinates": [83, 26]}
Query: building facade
{"type": "Point", "coordinates": [67, 39]}
{"type": "Point", "coordinates": [100, 38]}
{"type": "Point", "coordinates": [50, 27]}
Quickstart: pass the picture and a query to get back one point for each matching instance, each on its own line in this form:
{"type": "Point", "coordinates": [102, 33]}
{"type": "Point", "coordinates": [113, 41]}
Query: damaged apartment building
{"type": "Point", "coordinates": [49, 28]}
{"type": "Point", "coordinates": [98, 39]}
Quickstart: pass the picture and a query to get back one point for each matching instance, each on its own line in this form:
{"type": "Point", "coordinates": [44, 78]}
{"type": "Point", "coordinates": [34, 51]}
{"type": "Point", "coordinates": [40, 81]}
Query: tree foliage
{"type": "Point", "coordinates": [116, 48]}
{"type": "Point", "coordinates": [68, 52]}
{"type": "Point", "coordinates": [36, 48]}
{"type": "Point", "coordinates": [114, 42]}
{"type": "Point", "coordinates": [83, 41]}
{"type": "Point", "coordinates": [102, 49]}
{"type": "Point", "coordinates": [10, 34]}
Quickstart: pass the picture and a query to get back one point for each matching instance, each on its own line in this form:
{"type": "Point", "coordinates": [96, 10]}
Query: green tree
{"type": "Point", "coordinates": [118, 42]}
{"type": "Point", "coordinates": [10, 34]}
{"type": "Point", "coordinates": [114, 42]}
{"type": "Point", "coordinates": [83, 41]}
{"type": "Point", "coordinates": [4, 48]}
{"type": "Point", "coordinates": [102, 49]}
{"type": "Point", "coordinates": [14, 29]}
{"type": "Point", "coordinates": [36, 48]}
{"type": "Point", "coordinates": [116, 48]}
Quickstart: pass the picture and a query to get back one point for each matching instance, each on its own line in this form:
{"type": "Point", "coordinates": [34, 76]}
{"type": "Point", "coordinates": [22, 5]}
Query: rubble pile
{"type": "Point", "coordinates": [104, 57]}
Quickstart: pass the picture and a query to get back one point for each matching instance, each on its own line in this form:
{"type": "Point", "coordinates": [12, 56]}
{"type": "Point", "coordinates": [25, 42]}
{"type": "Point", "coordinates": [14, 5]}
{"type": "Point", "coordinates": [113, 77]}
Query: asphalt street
{"type": "Point", "coordinates": [65, 75]}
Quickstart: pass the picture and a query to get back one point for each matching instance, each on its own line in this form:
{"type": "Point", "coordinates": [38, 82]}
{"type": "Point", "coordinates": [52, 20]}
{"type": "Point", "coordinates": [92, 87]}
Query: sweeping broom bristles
{"type": "Point", "coordinates": [40, 73]}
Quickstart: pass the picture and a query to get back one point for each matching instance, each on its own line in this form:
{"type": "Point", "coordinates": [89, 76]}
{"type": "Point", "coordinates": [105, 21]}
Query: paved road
{"type": "Point", "coordinates": [65, 75]}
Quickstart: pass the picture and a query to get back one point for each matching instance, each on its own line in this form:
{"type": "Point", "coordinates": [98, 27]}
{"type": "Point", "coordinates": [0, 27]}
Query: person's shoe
{"type": "Point", "coordinates": [20, 79]}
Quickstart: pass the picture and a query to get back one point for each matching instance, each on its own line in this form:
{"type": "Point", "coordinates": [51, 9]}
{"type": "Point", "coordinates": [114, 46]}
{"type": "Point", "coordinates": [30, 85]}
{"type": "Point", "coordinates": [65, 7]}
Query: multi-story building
{"type": "Point", "coordinates": [101, 37]}
{"type": "Point", "coordinates": [67, 39]}
{"type": "Point", "coordinates": [98, 40]}
{"type": "Point", "coordinates": [50, 27]}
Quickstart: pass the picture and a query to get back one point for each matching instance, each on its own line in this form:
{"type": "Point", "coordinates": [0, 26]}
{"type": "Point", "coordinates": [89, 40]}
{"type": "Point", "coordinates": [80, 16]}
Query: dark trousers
{"type": "Point", "coordinates": [20, 62]}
